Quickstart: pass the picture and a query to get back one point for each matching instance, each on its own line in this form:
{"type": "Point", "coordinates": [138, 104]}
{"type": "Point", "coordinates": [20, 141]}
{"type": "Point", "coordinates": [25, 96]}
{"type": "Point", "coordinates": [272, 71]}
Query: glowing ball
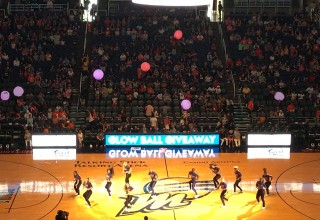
{"type": "Point", "coordinates": [5, 95]}
{"type": "Point", "coordinates": [279, 96]}
{"type": "Point", "coordinates": [178, 34]}
{"type": "Point", "coordinates": [186, 104]}
{"type": "Point", "coordinates": [98, 74]}
{"type": "Point", "coordinates": [18, 91]}
{"type": "Point", "coordinates": [145, 66]}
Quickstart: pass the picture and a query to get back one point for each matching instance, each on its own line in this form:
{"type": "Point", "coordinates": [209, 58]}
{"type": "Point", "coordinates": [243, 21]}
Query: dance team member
{"type": "Point", "coordinates": [268, 178]}
{"type": "Point", "coordinates": [128, 190]}
{"type": "Point", "coordinates": [87, 184]}
{"type": "Point", "coordinates": [260, 193]}
{"type": "Point", "coordinates": [238, 179]}
{"type": "Point", "coordinates": [192, 183]}
{"type": "Point", "coordinates": [223, 185]}
{"type": "Point", "coordinates": [127, 170]}
{"type": "Point", "coordinates": [217, 171]}
{"type": "Point", "coordinates": [154, 177]}
{"type": "Point", "coordinates": [109, 175]}
{"type": "Point", "coordinates": [77, 182]}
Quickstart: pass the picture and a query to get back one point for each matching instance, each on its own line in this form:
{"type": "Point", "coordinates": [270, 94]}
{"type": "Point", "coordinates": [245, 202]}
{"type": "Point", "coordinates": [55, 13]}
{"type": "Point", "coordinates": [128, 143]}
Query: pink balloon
{"type": "Point", "coordinates": [98, 74]}
{"type": "Point", "coordinates": [178, 34]}
{"type": "Point", "coordinates": [279, 96]}
{"type": "Point", "coordinates": [145, 66]}
{"type": "Point", "coordinates": [186, 104]}
{"type": "Point", "coordinates": [5, 95]}
{"type": "Point", "coordinates": [18, 91]}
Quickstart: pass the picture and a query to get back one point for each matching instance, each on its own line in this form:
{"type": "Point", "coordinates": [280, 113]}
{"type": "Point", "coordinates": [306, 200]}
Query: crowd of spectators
{"type": "Point", "coordinates": [38, 51]}
{"type": "Point", "coordinates": [272, 54]}
{"type": "Point", "coordinates": [129, 99]}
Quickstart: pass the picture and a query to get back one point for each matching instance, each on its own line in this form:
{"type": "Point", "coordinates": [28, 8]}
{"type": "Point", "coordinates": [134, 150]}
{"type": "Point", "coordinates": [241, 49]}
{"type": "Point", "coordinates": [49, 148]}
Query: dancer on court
{"type": "Point", "coordinates": [217, 171]}
{"type": "Point", "coordinates": [260, 193]}
{"type": "Point", "coordinates": [238, 179]}
{"type": "Point", "coordinates": [109, 175]}
{"type": "Point", "coordinates": [128, 190]}
{"type": "Point", "coordinates": [154, 177]}
{"type": "Point", "coordinates": [87, 184]}
{"type": "Point", "coordinates": [192, 183]}
{"type": "Point", "coordinates": [268, 178]}
{"type": "Point", "coordinates": [77, 182]}
{"type": "Point", "coordinates": [223, 185]}
{"type": "Point", "coordinates": [127, 170]}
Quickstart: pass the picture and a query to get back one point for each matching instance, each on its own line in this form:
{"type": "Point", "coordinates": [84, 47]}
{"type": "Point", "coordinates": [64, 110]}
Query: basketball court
{"type": "Point", "coordinates": [38, 189]}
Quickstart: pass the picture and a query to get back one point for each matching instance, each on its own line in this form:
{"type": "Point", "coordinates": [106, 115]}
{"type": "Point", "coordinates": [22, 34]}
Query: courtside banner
{"type": "Point", "coordinates": [209, 140]}
{"type": "Point", "coordinates": [269, 139]}
{"type": "Point", "coordinates": [53, 140]}
{"type": "Point", "coordinates": [139, 152]}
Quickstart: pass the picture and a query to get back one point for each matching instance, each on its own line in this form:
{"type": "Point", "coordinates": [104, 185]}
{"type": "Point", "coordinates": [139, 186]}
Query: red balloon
{"type": "Point", "coordinates": [145, 66]}
{"type": "Point", "coordinates": [178, 34]}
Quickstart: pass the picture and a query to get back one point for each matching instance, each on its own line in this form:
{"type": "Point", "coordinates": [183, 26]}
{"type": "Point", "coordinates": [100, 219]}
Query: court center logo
{"type": "Point", "coordinates": [171, 194]}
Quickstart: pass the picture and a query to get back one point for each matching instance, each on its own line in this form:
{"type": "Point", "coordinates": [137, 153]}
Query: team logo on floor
{"type": "Point", "coordinates": [171, 194]}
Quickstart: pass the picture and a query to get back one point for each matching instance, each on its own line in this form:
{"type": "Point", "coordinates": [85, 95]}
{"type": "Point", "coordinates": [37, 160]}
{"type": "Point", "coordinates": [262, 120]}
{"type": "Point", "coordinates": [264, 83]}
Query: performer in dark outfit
{"type": "Point", "coordinates": [87, 184]}
{"type": "Point", "coordinates": [192, 183]}
{"type": "Point", "coordinates": [109, 175]}
{"type": "Point", "coordinates": [127, 170]}
{"type": "Point", "coordinates": [77, 182]}
{"type": "Point", "coordinates": [268, 178]}
{"type": "Point", "coordinates": [128, 189]}
{"type": "Point", "coordinates": [217, 171]}
{"type": "Point", "coordinates": [223, 186]}
{"type": "Point", "coordinates": [154, 177]}
{"type": "Point", "coordinates": [238, 179]}
{"type": "Point", "coordinates": [260, 193]}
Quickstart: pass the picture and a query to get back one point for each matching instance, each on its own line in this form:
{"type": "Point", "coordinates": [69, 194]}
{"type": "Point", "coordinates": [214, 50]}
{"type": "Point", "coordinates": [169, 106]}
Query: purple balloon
{"type": "Point", "coordinates": [5, 95]}
{"type": "Point", "coordinates": [279, 96]}
{"type": "Point", "coordinates": [98, 74]}
{"type": "Point", "coordinates": [18, 91]}
{"type": "Point", "coordinates": [186, 104]}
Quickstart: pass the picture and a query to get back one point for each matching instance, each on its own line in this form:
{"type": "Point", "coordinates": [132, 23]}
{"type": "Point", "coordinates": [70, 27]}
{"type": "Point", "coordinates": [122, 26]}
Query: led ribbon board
{"type": "Point", "coordinates": [137, 152]}
{"type": "Point", "coordinates": [163, 140]}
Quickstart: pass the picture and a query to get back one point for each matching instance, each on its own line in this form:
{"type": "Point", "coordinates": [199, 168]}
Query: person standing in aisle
{"type": "Point", "coordinates": [127, 170]}
{"type": "Point", "coordinates": [87, 184]}
{"type": "Point", "coordinates": [238, 179]}
{"type": "Point", "coordinates": [192, 183]}
{"type": "Point", "coordinates": [260, 193]}
{"type": "Point", "coordinates": [268, 178]}
{"type": "Point", "coordinates": [77, 182]}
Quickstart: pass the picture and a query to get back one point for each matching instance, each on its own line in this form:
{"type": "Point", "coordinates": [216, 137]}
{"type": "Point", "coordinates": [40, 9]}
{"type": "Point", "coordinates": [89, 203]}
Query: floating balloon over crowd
{"type": "Point", "coordinates": [145, 66]}
{"type": "Point", "coordinates": [98, 74]}
{"type": "Point", "coordinates": [18, 91]}
{"type": "Point", "coordinates": [178, 34]}
{"type": "Point", "coordinates": [279, 96]}
{"type": "Point", "coordinates": [186, 104]}
{"type": "Point", "coordinates": [5, 95]}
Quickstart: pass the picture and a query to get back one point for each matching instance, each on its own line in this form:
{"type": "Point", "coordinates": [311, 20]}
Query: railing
{"type": "Point", "coordinates": [263, 4]}
{"type": "Point", "coordinates": [36, 7]}
{"type": "Point", "coordinates": [226, 56]}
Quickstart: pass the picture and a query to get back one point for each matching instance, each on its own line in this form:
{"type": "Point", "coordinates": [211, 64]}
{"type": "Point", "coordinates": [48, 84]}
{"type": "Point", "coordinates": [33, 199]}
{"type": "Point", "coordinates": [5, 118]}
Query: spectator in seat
{"type": "Point", "coordinates": [246, 92]}
{"type": "Point", "coordinates": [149, 110]}
{"type": "Point", "coordinates": [100, 139]}
{"type": "Point", "coordinates": [291, 108]}
{"type": "Point", "coordinates": [80, 138]}
{"type": "Point", "coordinates": [250, 107]}
{"type": "Point", "coordinates": [318, 115]}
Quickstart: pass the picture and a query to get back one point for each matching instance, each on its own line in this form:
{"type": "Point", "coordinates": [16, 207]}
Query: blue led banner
{"type": "Point", "coordinates": [137, 152]}
{"type": "Point", "coordinates": [162, 140]}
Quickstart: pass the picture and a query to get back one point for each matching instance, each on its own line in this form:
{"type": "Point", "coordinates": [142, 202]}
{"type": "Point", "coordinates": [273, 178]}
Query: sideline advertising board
{"type": "Point", "coordinates": [269, 146]}
{"type": "Point", "coordinates": [54, 146]}
{"type": "Point", "coordinates": [55, 154]}
{"type": "Point", "coordinates": [208, 140]}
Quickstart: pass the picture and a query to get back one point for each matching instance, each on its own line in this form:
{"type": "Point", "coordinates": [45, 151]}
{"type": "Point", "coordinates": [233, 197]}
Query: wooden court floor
{"type": "Point", "coordinates": [38, 189]}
